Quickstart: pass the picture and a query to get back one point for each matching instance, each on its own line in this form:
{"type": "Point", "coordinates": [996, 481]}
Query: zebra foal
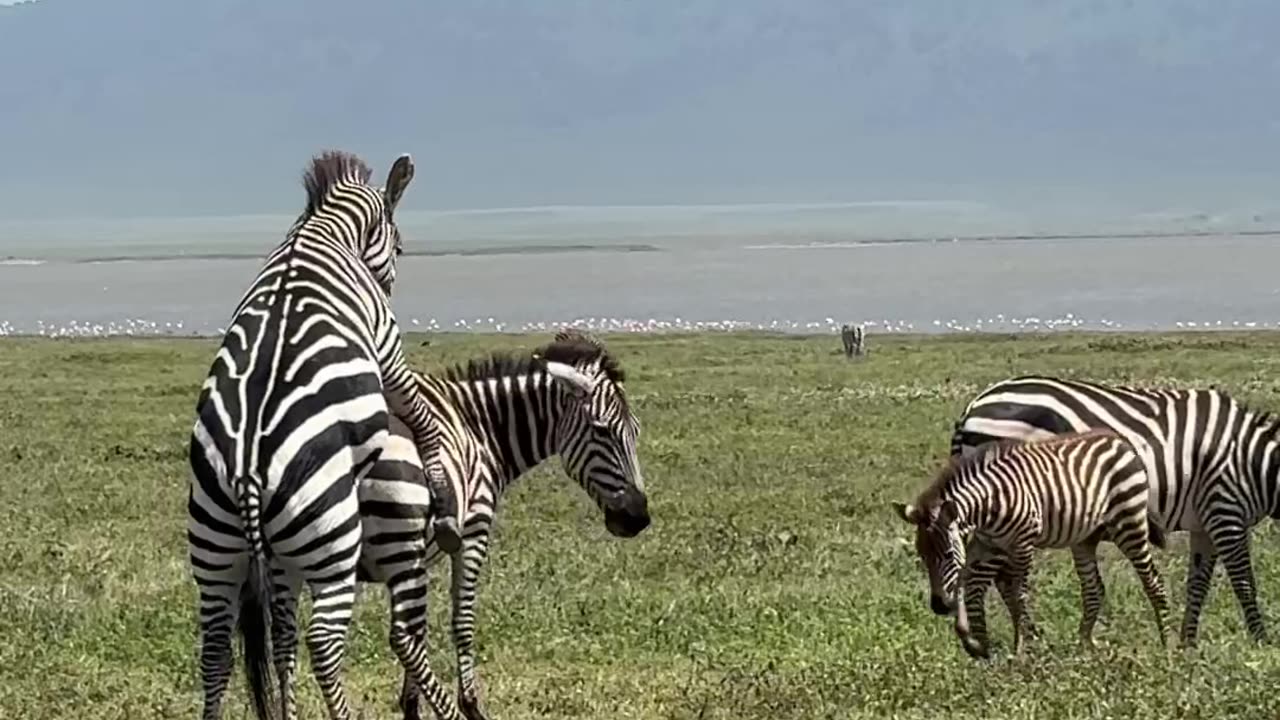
{"type": "Point", "coordinates": [293, 412]}
{"type": "Point", "coordinates": [1214, 464]}
{"type": "Point", "coordinates": [500, 417]}
{"type": "Point", "coordinates": [1072, 491]}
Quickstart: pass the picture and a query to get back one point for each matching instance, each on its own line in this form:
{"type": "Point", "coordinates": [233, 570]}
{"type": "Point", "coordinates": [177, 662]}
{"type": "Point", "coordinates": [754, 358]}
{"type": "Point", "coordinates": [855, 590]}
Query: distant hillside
{"type": "Point", "coordinates": [160, 107]}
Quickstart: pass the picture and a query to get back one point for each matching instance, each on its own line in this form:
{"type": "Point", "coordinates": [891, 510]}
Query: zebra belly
{"type": "Point", "coordinates": [1075, 530]}
{"type": "Point", "coordinates": [1169, 501]}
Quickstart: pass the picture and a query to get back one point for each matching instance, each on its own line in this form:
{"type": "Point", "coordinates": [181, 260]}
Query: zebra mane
{"type": "Point", "coordinates": [570, 351]}
{"type": "Point", "coordinates": [331, 168]}
{"type": "Point", "coordinates": [989, 452]}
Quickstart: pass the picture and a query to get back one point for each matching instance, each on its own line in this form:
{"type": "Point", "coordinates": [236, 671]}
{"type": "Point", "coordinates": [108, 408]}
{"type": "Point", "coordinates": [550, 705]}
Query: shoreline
{"type": "Point", "coordinates": [746, 334]}
{"type": "Point", "coordinates": [781, 241]}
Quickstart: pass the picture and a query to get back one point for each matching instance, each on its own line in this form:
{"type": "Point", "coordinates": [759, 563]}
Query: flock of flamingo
{"type": "Point", "coordinates": [141, 327]}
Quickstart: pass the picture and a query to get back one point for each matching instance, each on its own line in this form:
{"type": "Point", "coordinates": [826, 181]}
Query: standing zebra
{"type": "Point", "coordinates": [500, 417]}
{"type": "Point", "coordinates": [853, 339]}
{"type": "Point", "coordinates": [1214, 464]}
{"type": "Point", "coordinates": [1068, 491]}
{"type": "Point", "coordinates": [294, 411]}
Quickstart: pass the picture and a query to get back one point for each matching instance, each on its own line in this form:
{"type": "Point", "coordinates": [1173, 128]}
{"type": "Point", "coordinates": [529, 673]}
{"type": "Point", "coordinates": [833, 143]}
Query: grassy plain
{"type": "Point", "coordinates": [774, 583]}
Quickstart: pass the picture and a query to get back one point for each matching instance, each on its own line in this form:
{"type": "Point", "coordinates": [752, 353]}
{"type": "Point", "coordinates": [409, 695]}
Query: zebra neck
{"type": "Point", "coordinates": [329, 229]}
{"type": "Point", "coordinates": [514, 417]}
{"type": "Point", "coordinates": [973, 504]}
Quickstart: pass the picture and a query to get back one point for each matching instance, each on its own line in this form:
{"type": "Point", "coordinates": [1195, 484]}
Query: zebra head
{"type": "Point", "coordinates": [384, 245]}
{"type": "Point", "coordinates": [940, 543]}
{"type": "Point", "coordinates": [596, 435]}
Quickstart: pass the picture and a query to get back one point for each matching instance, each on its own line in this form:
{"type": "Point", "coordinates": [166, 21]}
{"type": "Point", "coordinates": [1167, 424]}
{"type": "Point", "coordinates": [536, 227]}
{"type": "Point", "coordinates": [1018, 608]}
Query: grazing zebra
{"type": "Point", "coordinates": [500, 417]}
{"type": "Point", "coordinates": [294, 411]}
{"type": "Point", "coordinates": [1069, 491]}
{"type": "Point", "coordinates": [1214, 464]}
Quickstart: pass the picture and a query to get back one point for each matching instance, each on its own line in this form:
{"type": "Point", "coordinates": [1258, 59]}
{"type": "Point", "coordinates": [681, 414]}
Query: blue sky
{"type": "Point", "coordinates": [547, 102]}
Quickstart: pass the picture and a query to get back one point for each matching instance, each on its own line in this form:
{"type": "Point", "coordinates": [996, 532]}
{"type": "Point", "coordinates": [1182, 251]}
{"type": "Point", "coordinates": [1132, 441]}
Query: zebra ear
{"type": "Point", "coordinates": [569, 376]}
{"type": "Point", "coordinates": [907, 512]}
{"type": "Point", "coordinates": [397, 181]}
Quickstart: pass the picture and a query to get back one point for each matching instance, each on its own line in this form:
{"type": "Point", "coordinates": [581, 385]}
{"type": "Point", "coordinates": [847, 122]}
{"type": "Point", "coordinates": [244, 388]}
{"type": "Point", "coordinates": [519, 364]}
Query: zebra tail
{"type": "Point", "coordinates": [255, 609]}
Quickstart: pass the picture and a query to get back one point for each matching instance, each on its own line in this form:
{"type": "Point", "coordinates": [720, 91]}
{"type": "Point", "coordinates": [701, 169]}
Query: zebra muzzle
{"type": "Point", "coordinates": [940, 606]}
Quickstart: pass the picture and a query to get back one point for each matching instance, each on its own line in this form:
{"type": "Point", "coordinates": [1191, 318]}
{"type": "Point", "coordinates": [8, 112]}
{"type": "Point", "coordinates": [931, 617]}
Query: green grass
{"type": "Point", "coordinates": [774, 582]}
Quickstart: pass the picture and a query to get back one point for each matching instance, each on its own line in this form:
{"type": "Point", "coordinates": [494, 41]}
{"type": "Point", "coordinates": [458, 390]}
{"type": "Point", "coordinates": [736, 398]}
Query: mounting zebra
{"type": "Point", "coordinates": [1068, 491]}
{"type": "Point", "coordinates": [853, 338]}
{"type": "Point", "coordinates": [295, 409]}
{"type": "Point", "coordinates": [1214, 464]}
{"type": "Point", "coordinates": [500, 417]}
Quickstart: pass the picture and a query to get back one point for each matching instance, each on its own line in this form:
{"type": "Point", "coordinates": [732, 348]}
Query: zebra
{"type": "Point", "coordinates": [853, 339]}
{"type": "Point", "coordinates": [500, 417]}
{"type": "Point", "coordinates": [1010, 498]}
{"type": "Point", "coordinates": [1214, 464]}
{"type": "Point", "coordinates": [294, 410]}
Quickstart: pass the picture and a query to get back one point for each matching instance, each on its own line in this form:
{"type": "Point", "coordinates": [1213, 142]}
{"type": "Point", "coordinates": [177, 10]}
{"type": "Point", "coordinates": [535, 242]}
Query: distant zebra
{"type": "Point", "coordinates": [1215, 464]}
{"type": "Point", "coordinates": [853, 338]}
{"type": "Point", "coordinates": [294, 411]}
{"type": "Point", "coordinates": [1070, 491]}
{"type": "Point", "coordinates": [500, 417]}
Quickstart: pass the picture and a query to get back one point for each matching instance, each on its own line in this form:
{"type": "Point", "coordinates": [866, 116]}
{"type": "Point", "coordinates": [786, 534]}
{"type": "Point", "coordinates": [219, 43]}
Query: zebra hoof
{"type": "Point", "coordinates": [976, 650]}
{"type": "Point", "coordinates": [411, 706]}
{"type": "Point", "coordinates": [470, 707]}
{"type": "Point", "coordinates": [444, 530]}
{"type": "Point", "coordinates": [410, 701]}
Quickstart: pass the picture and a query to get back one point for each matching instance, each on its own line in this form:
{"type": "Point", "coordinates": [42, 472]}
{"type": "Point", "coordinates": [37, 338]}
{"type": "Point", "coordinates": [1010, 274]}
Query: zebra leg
{"type": "Point", "coordinates": [1092, 590]}
{"type": "Point", "coordinates": [1019, 566]}
{"type": "Point", "coordinates": [419, 679]}
{"type": "Point", "coordinates": [1004, 586]}
{"type": "Point", "coordinates": [1137, 548]}
{"type": "Point", "coordinates": [1204, 557]}
{"type": "Point", "coordinates": [444, 510]}
{"type": "Point", "coordinates": [284, 638]}
{"type": "Point", "coordinates": [332, 602]}
{"type": "Point", "coordinates": [978, 581]}
{"type": "Point", "coordinates": [409, 641]}
{"type": "Point", "coordinates": [408, 593]}
{"type": "Point", "coordinates": [1232, 542]}
{"type": "Point", "coordinates": [466, 578]}
{"type": "Point", "coordinates": [219, 609]}
{"type": "Point", "coordinates": [410, 698]}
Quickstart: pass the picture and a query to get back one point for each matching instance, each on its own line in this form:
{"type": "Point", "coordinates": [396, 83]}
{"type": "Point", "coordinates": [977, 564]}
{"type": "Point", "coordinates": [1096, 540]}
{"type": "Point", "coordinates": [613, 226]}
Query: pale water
{"type": "Point", "coordinates": [800, 268]}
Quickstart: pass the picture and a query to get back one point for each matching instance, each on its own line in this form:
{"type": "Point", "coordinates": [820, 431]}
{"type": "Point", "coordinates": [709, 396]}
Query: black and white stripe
{"type": "Point", "coordinates": [1069, 491]}
{"type": "Point", "coordinates": [294, 411]}
{"type": "Point", "coordinates": [1214, 464]}
{"type": "Point", "coordinates": [500, 417]}
{"type": "Point", "coordinates": [853, 339]}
